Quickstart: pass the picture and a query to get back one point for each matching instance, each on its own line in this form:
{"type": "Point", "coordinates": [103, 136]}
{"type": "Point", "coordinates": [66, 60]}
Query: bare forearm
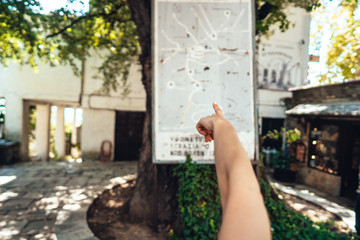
{"type": "Point", "coordinates": [244, 214]}
{"type": "Point", "coordinates": [229, 153]}
{"type": "Point", "coordinates": [239, 189]}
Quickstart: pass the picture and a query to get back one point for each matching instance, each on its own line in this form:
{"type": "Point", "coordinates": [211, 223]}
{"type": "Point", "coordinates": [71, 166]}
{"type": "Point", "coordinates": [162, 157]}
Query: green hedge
{"type": "Point", "coordinates": [200, 209]}
{"type": "Point", "coordinates": [199, 200]}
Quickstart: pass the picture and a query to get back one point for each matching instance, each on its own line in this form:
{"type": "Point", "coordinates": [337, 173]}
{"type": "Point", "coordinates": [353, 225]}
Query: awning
{"type": "Point", "coordinates": [326, 109]}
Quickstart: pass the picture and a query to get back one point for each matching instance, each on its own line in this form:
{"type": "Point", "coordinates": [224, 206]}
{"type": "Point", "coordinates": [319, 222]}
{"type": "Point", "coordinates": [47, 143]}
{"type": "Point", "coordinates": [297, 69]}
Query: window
{"type": "Point", "coordinates": [323, 148]}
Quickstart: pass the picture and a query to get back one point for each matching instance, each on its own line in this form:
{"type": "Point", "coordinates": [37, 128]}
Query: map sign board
{"type": "Point", "coordinates": [202, 53]}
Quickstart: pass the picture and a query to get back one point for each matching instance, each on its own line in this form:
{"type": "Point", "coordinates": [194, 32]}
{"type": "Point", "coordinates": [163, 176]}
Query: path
{"type": "Point", "coordinates": [341, 210]}
{"type": "Point", "coordinates": [50, 200]}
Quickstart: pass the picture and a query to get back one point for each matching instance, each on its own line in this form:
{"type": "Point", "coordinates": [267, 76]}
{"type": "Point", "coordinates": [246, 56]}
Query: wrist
{"type": "Point", "coordinates": [220, 123]}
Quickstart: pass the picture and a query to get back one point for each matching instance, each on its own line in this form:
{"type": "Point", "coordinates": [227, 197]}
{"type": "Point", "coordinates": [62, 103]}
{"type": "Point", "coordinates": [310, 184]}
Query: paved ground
{"type": "Point", "coordinates": [341, 207]}
{"type": "Point", "coordinates": [50, 200]}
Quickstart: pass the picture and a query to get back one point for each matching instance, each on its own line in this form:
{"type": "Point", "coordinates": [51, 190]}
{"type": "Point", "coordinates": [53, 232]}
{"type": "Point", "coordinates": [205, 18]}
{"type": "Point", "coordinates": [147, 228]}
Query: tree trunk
{"type": "Point", "coordinates": [142, 207]}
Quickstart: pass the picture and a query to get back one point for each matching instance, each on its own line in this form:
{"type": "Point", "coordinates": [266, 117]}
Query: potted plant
{"type": "Point", "coordinates": [284, 167]}
{"type": "Point", "coordinates": [284, 161]}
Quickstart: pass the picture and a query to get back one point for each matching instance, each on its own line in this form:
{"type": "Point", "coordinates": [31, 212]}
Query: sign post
{"type": "Point", "coordinates": [203, 52]}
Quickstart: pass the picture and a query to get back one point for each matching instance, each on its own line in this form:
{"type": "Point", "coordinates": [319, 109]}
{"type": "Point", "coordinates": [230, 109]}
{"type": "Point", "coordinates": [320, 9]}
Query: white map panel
{"type": "Point", "coordinates": [203, 53]}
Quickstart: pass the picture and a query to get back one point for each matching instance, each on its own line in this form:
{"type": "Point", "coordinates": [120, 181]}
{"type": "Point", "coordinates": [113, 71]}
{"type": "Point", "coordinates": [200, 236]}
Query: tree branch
{"type": "Point", "coordinates": [265, 10]}
{"type": "Point", "coordinates": [89, 16]}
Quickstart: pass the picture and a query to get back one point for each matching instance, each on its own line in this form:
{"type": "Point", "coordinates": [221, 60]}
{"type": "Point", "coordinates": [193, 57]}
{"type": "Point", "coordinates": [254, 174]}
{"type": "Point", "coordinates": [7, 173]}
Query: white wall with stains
{"type": "Point", "coordinates": [58, 86]}
{"type": "Point", "coordinates": [282, 63]}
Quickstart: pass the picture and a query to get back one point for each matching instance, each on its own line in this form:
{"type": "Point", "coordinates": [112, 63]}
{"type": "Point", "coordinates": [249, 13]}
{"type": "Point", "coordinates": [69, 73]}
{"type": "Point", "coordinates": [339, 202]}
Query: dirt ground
{"type": "Point", "coordinates": [108, 216]}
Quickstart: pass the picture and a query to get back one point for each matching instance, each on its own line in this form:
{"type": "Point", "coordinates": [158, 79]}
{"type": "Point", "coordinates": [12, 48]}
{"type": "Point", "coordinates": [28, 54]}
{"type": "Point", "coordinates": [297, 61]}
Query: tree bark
{"type": "Point", "coordinates": [141, 203]}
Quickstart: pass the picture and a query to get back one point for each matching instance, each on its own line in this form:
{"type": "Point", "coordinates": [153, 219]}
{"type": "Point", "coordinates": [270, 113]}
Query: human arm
{"type": "Point", "coordinates": [244, 213]}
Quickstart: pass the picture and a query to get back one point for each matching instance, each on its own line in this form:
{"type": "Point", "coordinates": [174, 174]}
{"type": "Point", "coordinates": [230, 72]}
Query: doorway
{"type": "Point", "coordinates": [350, 160]}
{"type": "Point", "coordinates": [52, 131]}
{"type": "Point", "coordinates": [270, 124]}
{"type": "Point", "coordinates": [128, 135]}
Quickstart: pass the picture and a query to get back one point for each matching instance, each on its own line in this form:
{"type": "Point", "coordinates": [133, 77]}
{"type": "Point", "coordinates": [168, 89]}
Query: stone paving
{"type": "Point", "coordinates": [311, 195]}
{"type": "Point", "coordinates": [50, 200]}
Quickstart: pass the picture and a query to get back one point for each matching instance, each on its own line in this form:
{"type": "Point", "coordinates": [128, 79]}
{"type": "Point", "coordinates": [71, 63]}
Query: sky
{"type": "Point", "coordinates": [317, 68]}
{"type": "Point", "coordinates": [51, 5]}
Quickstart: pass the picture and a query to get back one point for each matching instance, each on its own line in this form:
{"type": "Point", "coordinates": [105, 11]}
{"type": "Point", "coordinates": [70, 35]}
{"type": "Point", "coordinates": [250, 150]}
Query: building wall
{"type": "Point", "coordinates": [59, 86]}
{"type": "Point", "coordinates": [285, 53]}
{"type": "Point", "coordinates": [283, 58]}
{"type": "Point", "coordinates": [19, 83]}
{"type": "Point", "coordinates": [13, 117]}
{"type": "Point", "coordinates": [340, 92]}
{"type": "Point", "coordinates": [325, 182]}
{"type": "Point", "coordinates": [98, 126]}
{"type": "Point", "coordinates": [99, 117]}
{"type": "Point", "coordinates": [270, 103]}
{"type": "Point", "coordinates": [49, 83]}
{"type": "Point", "coordinates": [94, 96]}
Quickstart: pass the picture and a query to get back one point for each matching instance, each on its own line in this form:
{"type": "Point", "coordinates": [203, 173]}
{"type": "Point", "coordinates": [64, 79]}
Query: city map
{"type": "Point", "coordinates": [203, 54]}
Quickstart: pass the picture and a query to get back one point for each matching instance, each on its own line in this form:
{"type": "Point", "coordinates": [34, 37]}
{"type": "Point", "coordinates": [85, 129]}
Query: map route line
{"type": "Point", "coordinates": [207, 21]}
{"type": "Point", "coordinates": [170, 49]}
{"type": "Point", "coordinates": [176, 50]}
{"type": "Point", "coordinates": [227, 58]}
{"type": "Point", "coordinates": [201, 23]}
{"type": "Point", "coordinates": [236, 22]}
{"type": "Point", "coordinates": [225, 22]}
{"type": "Point", "coordinates": [169, 39]}
{"type": "Point", "coordinates": [196, 53]}
{"type": "Point", "coordinates": [195, 89]}
{"type": "Point", "coordinates": [185, 27]}
{"type": "Point", "coordinates": [185, 112]}
{"type": "Point", "coordinates": [218, 52]}
{"type": "Point", "coordinates": [194, 38]}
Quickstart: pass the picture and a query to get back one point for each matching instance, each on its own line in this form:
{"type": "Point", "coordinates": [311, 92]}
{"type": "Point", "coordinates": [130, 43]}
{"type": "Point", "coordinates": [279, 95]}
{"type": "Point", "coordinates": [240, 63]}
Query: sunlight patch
{"type": "Point", "coordinates": [72, 207]}
{"type": "Point", "coordinates": [298, 206]}
{"type": "Point", "coordinates": [6, 179]}
{"type": "Point", "coordinates": [6, 195]}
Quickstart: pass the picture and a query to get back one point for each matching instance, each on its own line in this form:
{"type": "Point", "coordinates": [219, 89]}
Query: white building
{"type": "Point", "coordinates": [58, 86]}
{"type": "Point", "coordinates": [282, 64]}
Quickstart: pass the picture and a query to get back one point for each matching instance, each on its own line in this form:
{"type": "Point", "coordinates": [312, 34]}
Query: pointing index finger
{"type": "Point", "coordinates": [218, 110]}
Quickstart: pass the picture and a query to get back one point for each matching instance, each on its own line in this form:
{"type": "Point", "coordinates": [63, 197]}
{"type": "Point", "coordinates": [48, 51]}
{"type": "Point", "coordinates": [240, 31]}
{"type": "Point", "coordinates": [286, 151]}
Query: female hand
{"type": "Point", "coordinates": [205, 126]}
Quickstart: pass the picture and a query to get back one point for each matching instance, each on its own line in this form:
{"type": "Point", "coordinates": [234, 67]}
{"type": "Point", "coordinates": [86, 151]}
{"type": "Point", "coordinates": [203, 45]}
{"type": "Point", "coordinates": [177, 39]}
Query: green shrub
{"type": "Point", "coordinates": [281, 160]}
{"type": "Point", "coordinates": [199, 200]}
{"type": "Point", "coordinates": [200, 209]}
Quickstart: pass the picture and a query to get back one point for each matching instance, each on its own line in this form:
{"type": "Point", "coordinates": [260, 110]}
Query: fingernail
{"type": "Point", "coordinates": [214, 103]}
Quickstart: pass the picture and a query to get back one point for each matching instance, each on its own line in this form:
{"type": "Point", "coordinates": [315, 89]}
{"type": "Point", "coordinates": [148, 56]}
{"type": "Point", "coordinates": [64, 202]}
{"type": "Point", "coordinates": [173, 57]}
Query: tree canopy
{"type": "Point", "coordinates": [65, 35]}
{"type": "Point", "coordinates": [343, 56]}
